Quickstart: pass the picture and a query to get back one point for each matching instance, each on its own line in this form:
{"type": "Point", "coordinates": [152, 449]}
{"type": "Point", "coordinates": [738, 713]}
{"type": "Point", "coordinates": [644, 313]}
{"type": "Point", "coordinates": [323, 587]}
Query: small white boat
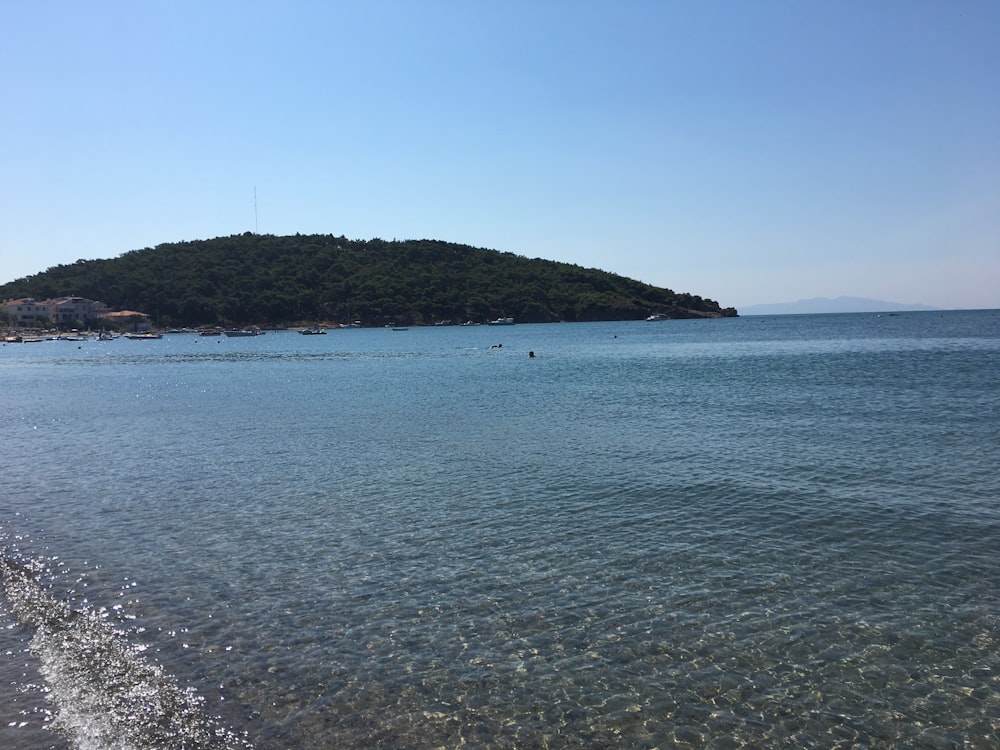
{"type": "Point", "coordinates": [143, 336]}
{"type": "Point", "coordinates": [502, 322]}
{"type": "Point", "coordinates": [657, 316]}
{"type": "Point", "coordinates": [313, 331]}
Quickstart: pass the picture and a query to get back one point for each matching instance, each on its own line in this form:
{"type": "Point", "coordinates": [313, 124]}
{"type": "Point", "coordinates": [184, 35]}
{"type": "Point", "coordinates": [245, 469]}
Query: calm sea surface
{"type": "Point", "coordinates": [755, 532]}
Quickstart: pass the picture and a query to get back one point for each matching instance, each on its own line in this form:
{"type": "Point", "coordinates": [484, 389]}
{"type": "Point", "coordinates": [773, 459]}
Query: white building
{"type": "Point", "coordinates": [65, 312]}
{"type": "Point", "coordinates": [28, 312]}
{"type": "Point", "coordinates": [76, 311]}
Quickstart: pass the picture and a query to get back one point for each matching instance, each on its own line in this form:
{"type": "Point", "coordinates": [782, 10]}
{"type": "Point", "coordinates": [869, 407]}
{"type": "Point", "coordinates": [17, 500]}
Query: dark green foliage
{"type": "Point", "coordinates": [273, 280]}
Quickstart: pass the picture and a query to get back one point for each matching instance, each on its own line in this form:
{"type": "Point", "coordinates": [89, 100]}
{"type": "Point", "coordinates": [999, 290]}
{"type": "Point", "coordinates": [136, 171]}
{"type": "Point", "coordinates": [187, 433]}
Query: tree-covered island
{"type": "Point", "coordinates": [277, 281]}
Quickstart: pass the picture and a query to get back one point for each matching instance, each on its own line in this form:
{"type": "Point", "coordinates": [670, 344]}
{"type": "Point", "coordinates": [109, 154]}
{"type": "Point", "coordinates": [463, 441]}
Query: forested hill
{"type": "Point", "coordinates": [272, 280]}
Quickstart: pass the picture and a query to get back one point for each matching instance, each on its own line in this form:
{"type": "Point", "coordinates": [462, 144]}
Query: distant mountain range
{"type": "Point", "coordinates": [828, 305]}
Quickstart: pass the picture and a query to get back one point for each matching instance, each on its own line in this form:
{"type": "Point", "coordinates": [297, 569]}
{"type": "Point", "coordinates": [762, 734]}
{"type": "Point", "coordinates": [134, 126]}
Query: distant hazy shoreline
{"type": "Point", "coordinates": [828, 305]}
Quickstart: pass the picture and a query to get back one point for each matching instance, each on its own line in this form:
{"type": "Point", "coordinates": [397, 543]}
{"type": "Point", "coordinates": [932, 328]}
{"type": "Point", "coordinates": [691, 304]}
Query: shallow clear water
{"type": "Point", "coordinates": [722, 533]}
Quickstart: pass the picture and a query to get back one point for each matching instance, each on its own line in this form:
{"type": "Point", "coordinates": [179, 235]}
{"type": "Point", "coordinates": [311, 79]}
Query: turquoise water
{"type": "Point", "coordinates": [754, 532]}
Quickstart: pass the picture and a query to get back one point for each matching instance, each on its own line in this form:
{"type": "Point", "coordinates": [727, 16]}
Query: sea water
{"type": "Point", "coordinates": [753, 532]}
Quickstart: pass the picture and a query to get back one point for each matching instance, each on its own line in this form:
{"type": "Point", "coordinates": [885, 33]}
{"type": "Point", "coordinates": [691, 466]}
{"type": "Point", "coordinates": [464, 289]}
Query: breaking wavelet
{"type": "Point", "coordinates": [105, 694]}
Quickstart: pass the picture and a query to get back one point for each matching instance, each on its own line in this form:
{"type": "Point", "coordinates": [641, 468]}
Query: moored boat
{"type": "Point", "coordinates": [245, 332]}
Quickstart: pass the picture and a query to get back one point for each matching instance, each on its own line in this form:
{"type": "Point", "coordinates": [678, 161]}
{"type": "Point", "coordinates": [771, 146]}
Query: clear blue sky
{"type": "Point", "coordinates": [750, 152]}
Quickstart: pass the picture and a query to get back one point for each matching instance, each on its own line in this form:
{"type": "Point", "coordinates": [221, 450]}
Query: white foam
{"type": "Point", "coordinates": [105, 695]}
